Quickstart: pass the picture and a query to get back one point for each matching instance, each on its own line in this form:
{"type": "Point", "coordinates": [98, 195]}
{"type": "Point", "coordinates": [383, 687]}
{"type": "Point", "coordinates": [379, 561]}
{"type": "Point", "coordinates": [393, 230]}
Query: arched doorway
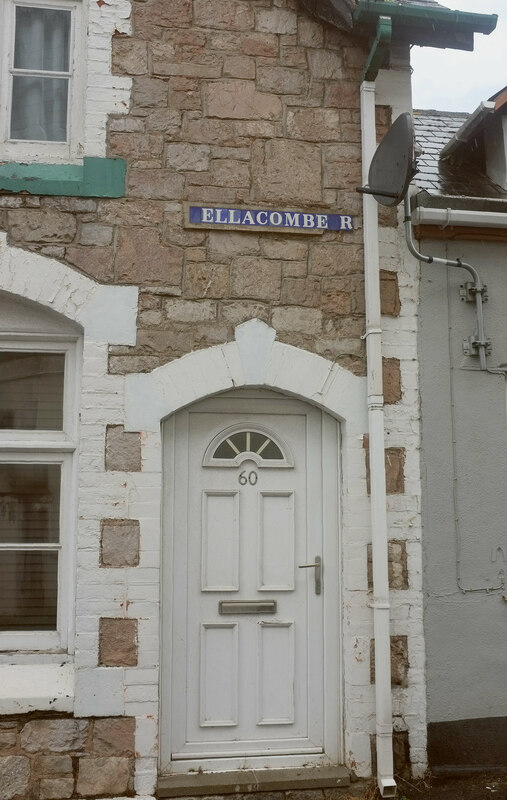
{"type": "Point", "coordinates": [251, 657]}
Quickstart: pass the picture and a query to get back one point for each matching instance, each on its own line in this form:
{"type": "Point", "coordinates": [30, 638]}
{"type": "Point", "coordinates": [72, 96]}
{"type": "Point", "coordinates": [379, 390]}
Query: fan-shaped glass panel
{"type": "Point", "coordinates": [248, 442]}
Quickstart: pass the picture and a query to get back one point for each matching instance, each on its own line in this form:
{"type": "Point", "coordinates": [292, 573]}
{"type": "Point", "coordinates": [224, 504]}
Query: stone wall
{"type": "Point", "coordinates": [233, 102]}
{"type": "Point", "coordinates": [52, 757]}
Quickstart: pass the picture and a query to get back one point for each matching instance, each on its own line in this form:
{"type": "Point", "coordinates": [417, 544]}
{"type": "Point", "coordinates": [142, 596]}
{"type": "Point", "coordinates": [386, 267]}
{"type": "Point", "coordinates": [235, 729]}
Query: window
{"type": "Point", "coordinates": [38, 433]}
{"type": "Point", "coordinates": [237, 444]}
{"type": "Point", "coordinates": [41, 90]}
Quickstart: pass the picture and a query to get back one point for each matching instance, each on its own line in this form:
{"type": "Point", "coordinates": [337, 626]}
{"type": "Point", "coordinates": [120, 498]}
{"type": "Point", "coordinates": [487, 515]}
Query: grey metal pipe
{"type": "Point", "coordinates": [478, 285]}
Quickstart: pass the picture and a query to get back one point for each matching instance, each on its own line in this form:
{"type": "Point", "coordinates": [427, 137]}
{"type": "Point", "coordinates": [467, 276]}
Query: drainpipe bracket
{"type": "Point", "coordinates": [378, 604]}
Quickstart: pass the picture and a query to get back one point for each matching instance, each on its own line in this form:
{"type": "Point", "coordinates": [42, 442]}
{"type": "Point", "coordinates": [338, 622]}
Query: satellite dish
{"type": "Point", "coordinates": [394, 164]}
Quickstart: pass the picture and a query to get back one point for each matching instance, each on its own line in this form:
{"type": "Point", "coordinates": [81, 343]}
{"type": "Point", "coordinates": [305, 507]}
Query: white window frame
{"type": "Point", "coordinates": [49, 447]}
{"type": "Point", "coordinates": [40, 151]}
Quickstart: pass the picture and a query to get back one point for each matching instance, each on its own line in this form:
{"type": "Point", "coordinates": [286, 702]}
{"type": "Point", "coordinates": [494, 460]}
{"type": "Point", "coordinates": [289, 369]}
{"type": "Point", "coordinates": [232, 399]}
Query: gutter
{"type": "Point", "coordinates": [431, 26]}
{"type": "Point", "coordinates": [469, 128]}
{"type": "Point", "coordinates": [370, 10]}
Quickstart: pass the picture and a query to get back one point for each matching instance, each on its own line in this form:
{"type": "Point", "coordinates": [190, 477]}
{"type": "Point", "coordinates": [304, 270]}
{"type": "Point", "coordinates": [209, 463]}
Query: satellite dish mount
{"type": "Point", "coordinates": [394, 164]}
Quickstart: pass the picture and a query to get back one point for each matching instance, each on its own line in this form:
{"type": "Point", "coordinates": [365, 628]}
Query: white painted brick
{"type": "Point", "coordinates": [146, 776]}
{"type": "Point", "coordinates": [146, 741]}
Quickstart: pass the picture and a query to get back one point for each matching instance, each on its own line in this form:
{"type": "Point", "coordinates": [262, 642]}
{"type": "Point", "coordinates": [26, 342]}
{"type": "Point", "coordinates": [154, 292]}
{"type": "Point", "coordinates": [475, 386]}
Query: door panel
{"type": "Point", "coordinates": [247, 689]}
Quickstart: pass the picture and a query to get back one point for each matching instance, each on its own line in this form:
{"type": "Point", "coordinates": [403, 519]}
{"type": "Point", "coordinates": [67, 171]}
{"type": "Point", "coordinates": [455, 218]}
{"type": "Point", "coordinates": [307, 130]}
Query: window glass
{"type": "Point", "coordinates": [29, 503]}
{"type": "Point", "coordinates": [31, 390]}
{"type": "Point", "coordinates": [39, 108]}
{"type": "Point", "coordinates": [251, 442]}
{"type": "Point", "coordinates": [28, 590]}
{"type": "Point", "coordinates": [40, 99]}
{"type": "Point", "coordinates": [42, 39]}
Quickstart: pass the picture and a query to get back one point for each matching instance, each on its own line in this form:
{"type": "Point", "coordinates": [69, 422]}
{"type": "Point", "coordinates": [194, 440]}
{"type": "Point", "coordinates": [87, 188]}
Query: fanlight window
{"type": "Point", "coordinates": [235, 445]}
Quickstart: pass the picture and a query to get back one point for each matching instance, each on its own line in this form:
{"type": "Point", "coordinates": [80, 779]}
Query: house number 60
{"type": "Point", "coordinates": [251, 478]}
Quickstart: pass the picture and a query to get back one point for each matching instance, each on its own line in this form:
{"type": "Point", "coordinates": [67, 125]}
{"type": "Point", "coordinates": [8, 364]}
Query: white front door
{"type": "Point", "coordinates": [245, 684]}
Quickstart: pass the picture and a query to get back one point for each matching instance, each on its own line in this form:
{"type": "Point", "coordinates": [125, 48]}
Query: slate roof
{"type": "Point", "coordinates": [457, 176]}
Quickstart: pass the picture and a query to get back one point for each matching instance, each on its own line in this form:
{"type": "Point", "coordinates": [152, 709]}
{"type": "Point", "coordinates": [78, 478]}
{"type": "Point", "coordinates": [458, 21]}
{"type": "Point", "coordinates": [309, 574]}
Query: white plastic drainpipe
{"type": "Point", "coordinates": [373, 335]}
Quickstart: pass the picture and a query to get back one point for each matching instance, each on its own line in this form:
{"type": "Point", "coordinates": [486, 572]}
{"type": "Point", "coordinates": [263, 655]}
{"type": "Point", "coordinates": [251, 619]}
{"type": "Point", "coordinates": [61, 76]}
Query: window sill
{"type": "Point", "coordinates": [95, 177]}
{"type": "Point", "coordinates": [36, 687]}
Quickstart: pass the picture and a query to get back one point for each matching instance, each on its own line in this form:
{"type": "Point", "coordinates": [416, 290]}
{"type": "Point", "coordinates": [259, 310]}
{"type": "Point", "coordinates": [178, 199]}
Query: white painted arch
{"type": "Point", "coordinates": [253, 359]}
{"type": "Point", "coordinates": [107, 314]}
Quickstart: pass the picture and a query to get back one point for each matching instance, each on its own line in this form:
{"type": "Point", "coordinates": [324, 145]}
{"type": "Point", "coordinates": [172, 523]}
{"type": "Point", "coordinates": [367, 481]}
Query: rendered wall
{"type": "Point", "coordinates": [464, 436]}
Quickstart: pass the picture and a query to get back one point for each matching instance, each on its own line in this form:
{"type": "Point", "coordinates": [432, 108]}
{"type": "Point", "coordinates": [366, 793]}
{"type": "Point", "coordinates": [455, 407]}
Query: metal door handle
{"type": "Point", "coordinates": [318, 573]}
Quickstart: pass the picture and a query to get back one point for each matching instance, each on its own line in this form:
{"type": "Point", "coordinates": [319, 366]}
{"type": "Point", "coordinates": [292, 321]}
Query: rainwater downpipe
{"type": "Point", "coordinates": [378, 497]}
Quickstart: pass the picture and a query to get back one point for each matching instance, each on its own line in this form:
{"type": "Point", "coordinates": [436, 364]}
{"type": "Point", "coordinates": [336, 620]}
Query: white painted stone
{"type": "Point", "coordinates": [99, 692]}
{"type": "Point", "coordinates": [255, 340]}
{"type": "Point", "coordinates": [36, 687]}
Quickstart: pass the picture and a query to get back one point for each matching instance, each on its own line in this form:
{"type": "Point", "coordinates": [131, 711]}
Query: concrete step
{"type": "Point", "coordinates": [200, 784]}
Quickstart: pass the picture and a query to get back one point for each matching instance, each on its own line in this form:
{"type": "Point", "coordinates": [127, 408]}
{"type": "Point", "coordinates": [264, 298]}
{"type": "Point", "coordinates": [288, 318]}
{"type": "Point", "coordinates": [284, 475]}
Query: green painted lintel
{"type": "Point", "coordinates": [370, 10]}
{"type": "Point", "coordinates": [95, 177]}
{"type": "Point", "coordinates": [378, 49]}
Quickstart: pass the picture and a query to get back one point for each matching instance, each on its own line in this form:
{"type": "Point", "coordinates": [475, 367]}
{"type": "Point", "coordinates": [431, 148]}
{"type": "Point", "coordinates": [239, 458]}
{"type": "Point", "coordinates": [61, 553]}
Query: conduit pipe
{"type": "Point", "coordinates": [373, 336]}
{"type": "Point", "coordinates": [480, 340]}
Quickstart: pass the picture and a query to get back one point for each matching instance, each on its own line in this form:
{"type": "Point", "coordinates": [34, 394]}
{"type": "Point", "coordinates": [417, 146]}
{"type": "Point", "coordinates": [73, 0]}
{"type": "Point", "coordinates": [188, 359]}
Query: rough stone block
{"type": "Point", "coordinates": [391, 377]}
{"type": "Point", "coordinates": [314, 124]}
{"type": "Point", "coordinates": [149, 92]}
{"type": "Point", "coordinates": [286, 170]}
{"type": "Point", "coordinates": [206, 280]}
{"type": "Point", "coordinates": [123, 450]}
{"type": "Point", "coordinates": [337, 295]}
{"type": "Point", "coordinates": [310, 33]}
{"type": "Point", "coordinates": [119, 542]}
{"type": "Point", "coordinates": [142, 258]}
{"type": "Point", "coordinates": [284, 248]}
{"type": "Point", "coordinates": [137, 148]}
{"type": "Point", "coordinates": [151, 19]}
{"type": "Point", "coordinates": [56, 788]}
{"type": "Point", "coordinates": [301, 291]}
{"type": "Point", "coordinates": [325, 65]}
{"type": "Point", "coordinates": [7, 739]}
{"type": "Point", "coordinates": [303, 320]}
{"type": "Point", "coordinates": [399, 661]}
{"type": "Point", "coordinates": [395, 462]}
{"type": "Point", "coordinates": [276, 20]}
{"type": "Point", "coordinates": [191, 310]}
{"type": "Point", "coordinates": [238, 99]}
{"type": "Point", "coordinates": [282, 80]}
{"type": "Point", "coordinates": [186, 156]}
{"type": "Point", "coordinates": [93, 234]}
{"type": "Point", "coordinates": [239, 67]}
{"type": "Point", "coordinates": [232, 15]}
{"type": "Point", "coordinates": [260, 44]}
{"type": "Point", "coordinates": [14, 776]}
{"type": "Point", "coordinates": [397, 565]}
{"type": "Point", "coordinates": [256, 278]}
{"type": "Point", "coordinates": [331, 260]}
{"type": "Point", "coordinates": [52, 765]}
{"type": "Point", "coordinates": [159, 184]}
{"type": "Point", "coordinates": [103, 776]}
{"type": "Point", "coordinates": [389, 293]}
{"type": "Point", "coordinates": [52, 227]}
{"type": "Point", "coordinates": [97, 262]}
{"type": "Point", "coordinates": [114, 737]}
{"type": "Point", "coordinates": [54, 735]}
{"type": "Point", "coordinates": [394, 465]}
{"type": "Point", "coordinates": [117, 642]}
{"type": "Point", "coordinates": [131, 212]}
{"type": "Point", "coordinates": [130, 56]}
